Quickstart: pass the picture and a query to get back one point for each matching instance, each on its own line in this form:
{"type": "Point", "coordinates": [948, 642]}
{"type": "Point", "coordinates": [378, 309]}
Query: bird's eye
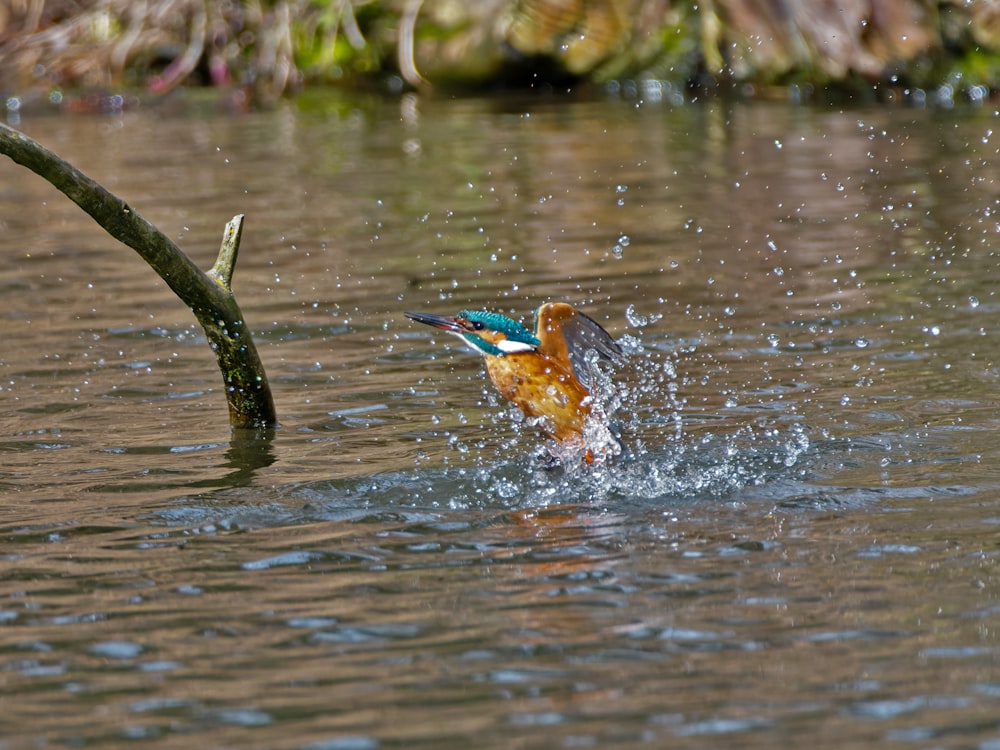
{"type": "Point", "coordinates": [476, 325]}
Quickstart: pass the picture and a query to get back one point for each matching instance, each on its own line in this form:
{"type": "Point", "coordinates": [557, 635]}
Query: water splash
{"type": "Point", "coordinates": [708, 467]}
{"type": "Point", "coordinates": [644, 452]}
{"type": "Point", "coordinates": [641, 446]}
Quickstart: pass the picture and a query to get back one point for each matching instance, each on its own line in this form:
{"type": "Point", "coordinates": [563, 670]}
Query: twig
{"type": "Point", "coordinates": [222, 271]}
{"type": "Point", "coordinates": [407, 33]}
{"type": "Point", "coordinates": [181, 67]}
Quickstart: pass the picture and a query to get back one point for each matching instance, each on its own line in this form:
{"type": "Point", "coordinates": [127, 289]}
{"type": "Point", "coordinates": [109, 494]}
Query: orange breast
{"type": "Point", "coordinates": [542, 387]}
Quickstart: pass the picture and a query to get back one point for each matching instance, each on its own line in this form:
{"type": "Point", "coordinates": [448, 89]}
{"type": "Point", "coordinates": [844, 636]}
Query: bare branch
{"type": "Point", "coordinates": [208, 295]}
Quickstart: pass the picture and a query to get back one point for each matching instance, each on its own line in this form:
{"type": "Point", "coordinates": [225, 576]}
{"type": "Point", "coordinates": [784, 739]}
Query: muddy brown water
{"type": "Point", "coordinates": [800, 548]}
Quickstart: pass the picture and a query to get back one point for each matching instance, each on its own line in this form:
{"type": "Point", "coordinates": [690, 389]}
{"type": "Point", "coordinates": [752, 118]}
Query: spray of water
{"type": "Point", "coordinates": [639, 444]}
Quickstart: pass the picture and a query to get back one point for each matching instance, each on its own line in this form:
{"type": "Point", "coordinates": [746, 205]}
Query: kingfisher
{"type": "Point", "coordinates": [547, 372]}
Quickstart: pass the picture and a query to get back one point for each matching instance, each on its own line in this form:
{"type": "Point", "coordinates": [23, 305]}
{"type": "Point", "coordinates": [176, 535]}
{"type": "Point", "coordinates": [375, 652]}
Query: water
{"type": "Point", "coordinates": [800, 546]}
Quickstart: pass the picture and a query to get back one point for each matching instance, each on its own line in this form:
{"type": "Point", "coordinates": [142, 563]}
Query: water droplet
{"type": "Point", "coordinates": [973, 302]}
{"type": "Point", "coordinates": [506, 489]}
{"type": "Point", "coordinates": [634, 318]}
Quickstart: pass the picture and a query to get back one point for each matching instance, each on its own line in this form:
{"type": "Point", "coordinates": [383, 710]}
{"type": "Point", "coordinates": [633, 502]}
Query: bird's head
{"type": "Point", "coordinates": [490, 333]}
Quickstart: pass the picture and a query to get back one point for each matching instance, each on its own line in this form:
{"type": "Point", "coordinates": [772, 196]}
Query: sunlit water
{"type": "Point", "coordinates": [797, 548]}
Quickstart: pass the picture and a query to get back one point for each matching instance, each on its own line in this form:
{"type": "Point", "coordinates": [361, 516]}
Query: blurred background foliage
{"type": "Point", "coordinates": [259, 50]}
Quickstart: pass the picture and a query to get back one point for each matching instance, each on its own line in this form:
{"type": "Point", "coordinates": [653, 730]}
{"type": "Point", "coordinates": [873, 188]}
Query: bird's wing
{"type": "Point", "coordinates": [567, 335]}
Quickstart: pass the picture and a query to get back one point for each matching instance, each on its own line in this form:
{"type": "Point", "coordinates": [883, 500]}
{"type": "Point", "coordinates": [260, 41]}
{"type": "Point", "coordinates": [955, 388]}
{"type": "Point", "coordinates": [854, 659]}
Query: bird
{"type": "Point", "coordinates": [549, 372]}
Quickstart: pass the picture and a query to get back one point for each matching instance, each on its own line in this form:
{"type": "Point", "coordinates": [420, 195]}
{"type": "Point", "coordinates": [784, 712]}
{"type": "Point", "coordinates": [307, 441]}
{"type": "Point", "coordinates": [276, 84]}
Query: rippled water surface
{"type": "Point", "coordinates": [799, 548]}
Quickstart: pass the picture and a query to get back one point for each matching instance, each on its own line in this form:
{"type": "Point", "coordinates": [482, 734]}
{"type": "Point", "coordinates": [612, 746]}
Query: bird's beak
{"type": "Point", "coordinates": [444, 322]}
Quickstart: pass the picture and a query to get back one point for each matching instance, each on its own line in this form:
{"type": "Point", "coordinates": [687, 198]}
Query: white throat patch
{"type": "Point", "coordinates": [513, 347]}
